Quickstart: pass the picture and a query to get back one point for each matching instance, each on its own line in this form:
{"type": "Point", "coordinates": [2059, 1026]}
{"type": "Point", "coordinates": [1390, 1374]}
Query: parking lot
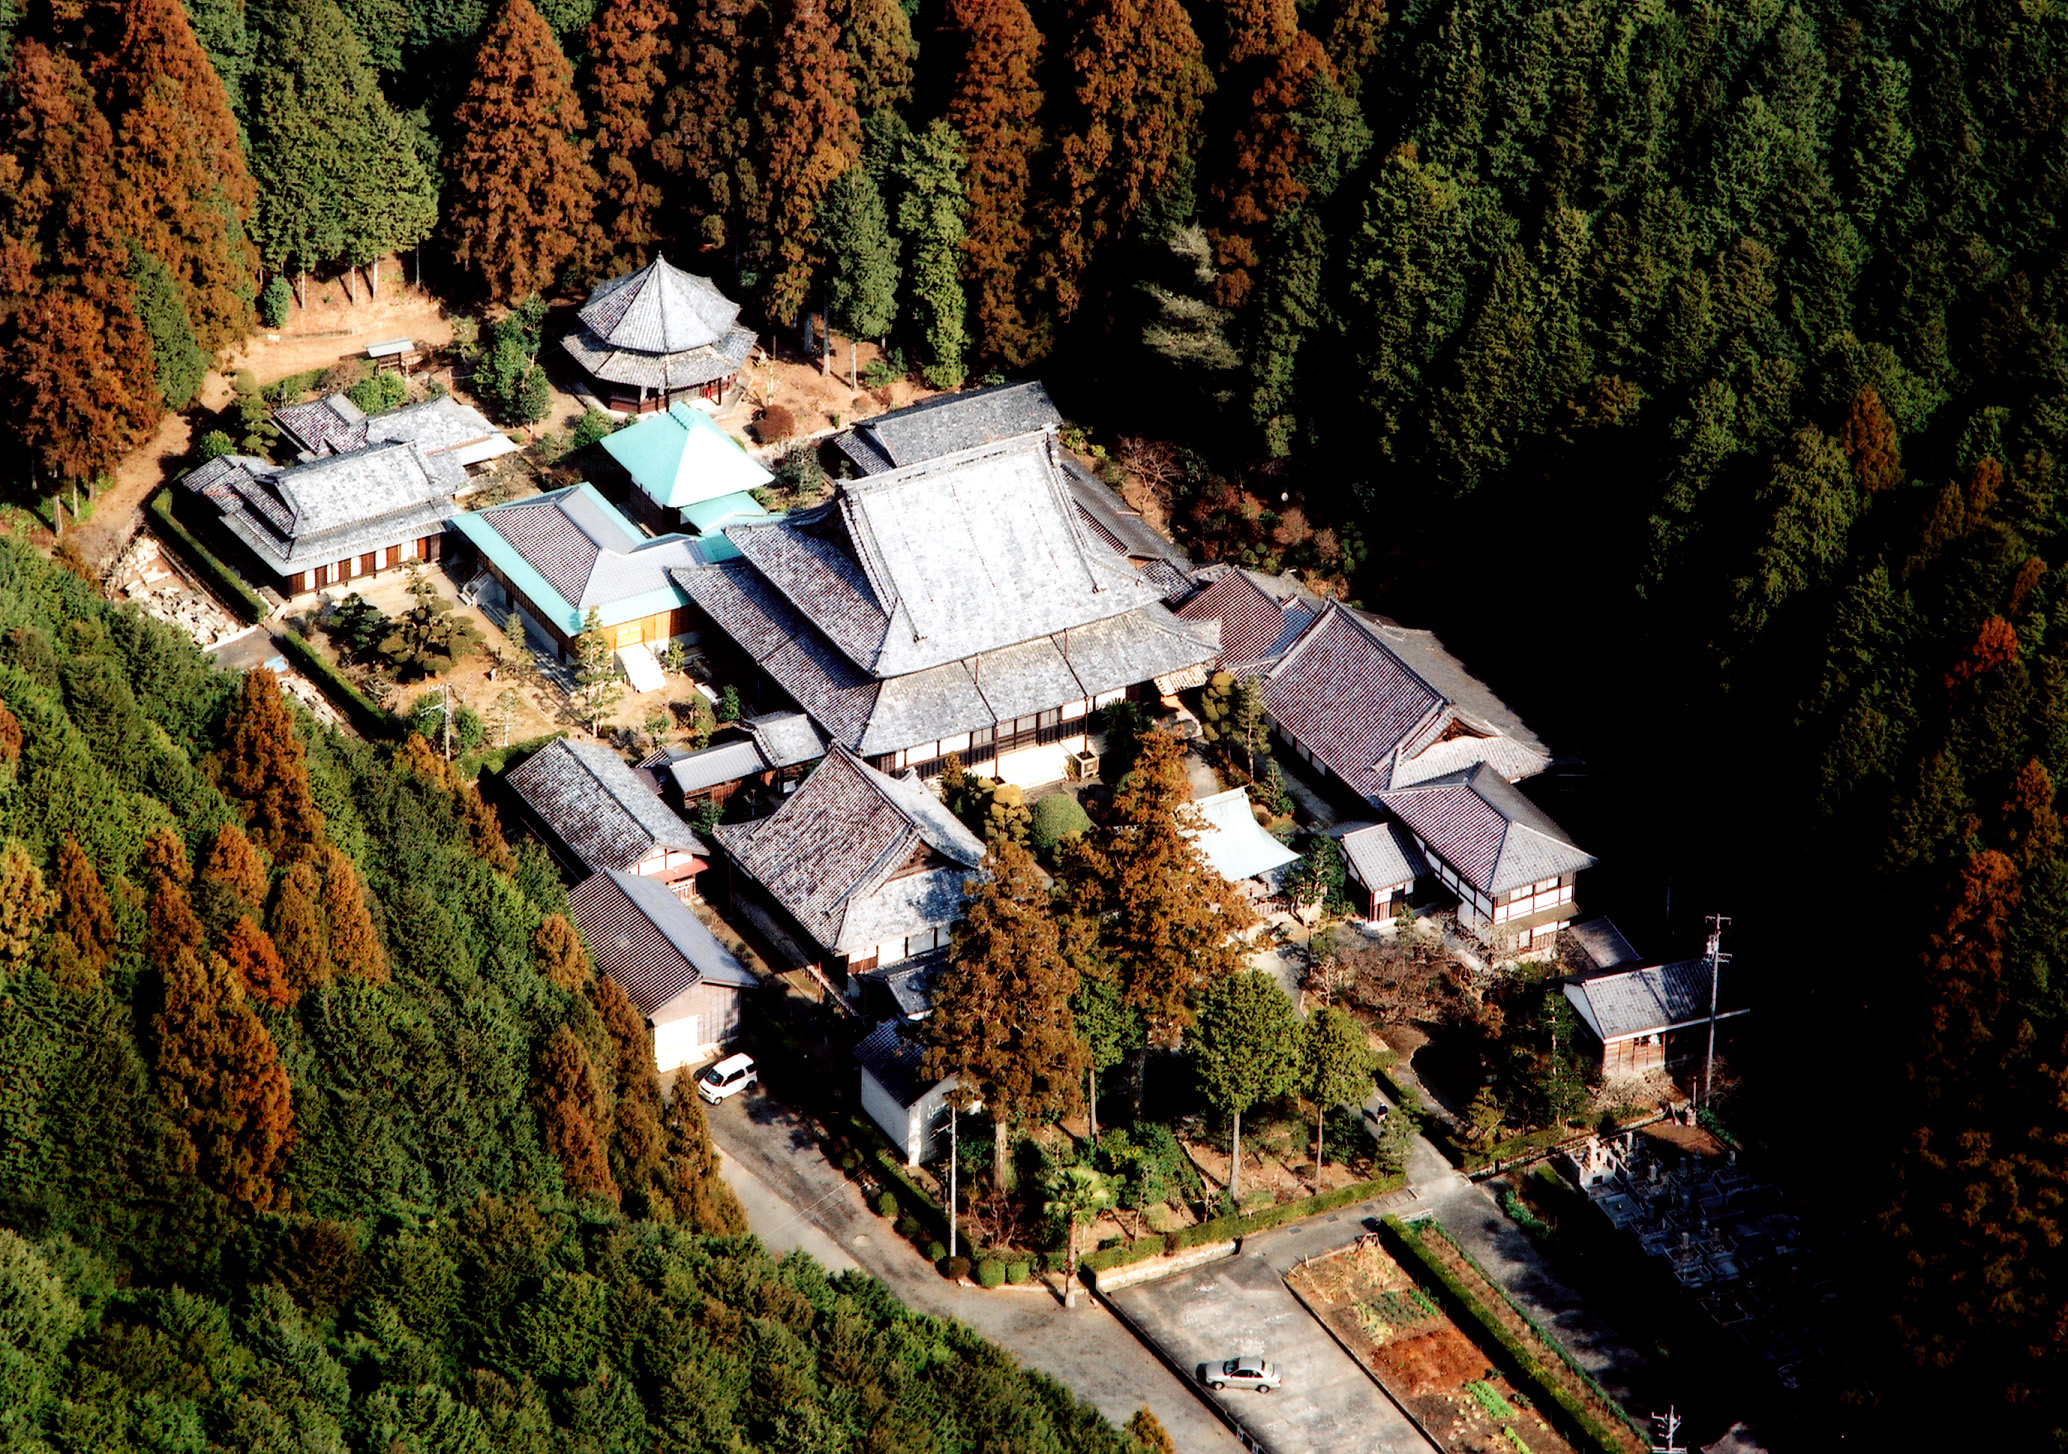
{"type": "Point", "coordinates": [1240, 1306]}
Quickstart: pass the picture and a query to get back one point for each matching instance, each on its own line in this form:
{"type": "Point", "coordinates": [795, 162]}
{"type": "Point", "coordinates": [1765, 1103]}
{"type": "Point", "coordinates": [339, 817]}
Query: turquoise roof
{"type": "Point", "coordinates": [586, 541]}
{"type": "Point", "coordinates": [681, 458]}
{"type": "Point", "coordinates": [710, 515]}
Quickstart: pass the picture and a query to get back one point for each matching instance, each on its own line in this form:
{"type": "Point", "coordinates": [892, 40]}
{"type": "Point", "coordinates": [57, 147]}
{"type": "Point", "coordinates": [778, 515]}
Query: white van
{"type": "Point", "coordinates": [728, 1077]}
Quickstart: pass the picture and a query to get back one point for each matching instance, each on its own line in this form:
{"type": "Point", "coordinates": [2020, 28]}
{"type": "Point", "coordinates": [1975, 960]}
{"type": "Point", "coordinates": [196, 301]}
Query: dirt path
{"type": "Point", "coordinates": [101, 539]}
{"type": "Point", "coordinates": [314, 337]}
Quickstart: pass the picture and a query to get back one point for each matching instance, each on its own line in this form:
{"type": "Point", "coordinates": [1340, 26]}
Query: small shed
{"type": "Point", "coordinates": [1382, 861]}
{"type": "Point", "coordinates": [668, 963]}
{"type": "Point", "coordinates": [911, 1109]}
{"type": "Point", "coordinates": [1631, 1012]}
{"type": "Point", "coordinates": [1237, 845]}
{"type": "Point", "coordinates": [394, 355]}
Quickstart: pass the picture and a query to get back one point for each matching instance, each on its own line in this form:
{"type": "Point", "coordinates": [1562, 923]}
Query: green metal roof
{"type": "Point", "coordinates": [710, 515]}
{"type": "Point", "coordinates": [624, 565]}
{"type": "Point", "coordinates": [681, 458]}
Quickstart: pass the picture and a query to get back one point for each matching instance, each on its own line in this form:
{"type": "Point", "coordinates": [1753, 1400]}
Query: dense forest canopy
{"type": "Point", "coordinates": [318, 1132]}
{"type": "Point", "coordinates": [1701, 369]}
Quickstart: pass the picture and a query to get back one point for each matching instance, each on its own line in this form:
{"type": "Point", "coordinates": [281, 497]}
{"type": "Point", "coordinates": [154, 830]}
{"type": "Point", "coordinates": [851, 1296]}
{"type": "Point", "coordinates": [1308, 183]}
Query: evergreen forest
{"type": "Point", "coordinates": [1699, 368]}
{"type": "Point", "coordinates": [319, 1134]}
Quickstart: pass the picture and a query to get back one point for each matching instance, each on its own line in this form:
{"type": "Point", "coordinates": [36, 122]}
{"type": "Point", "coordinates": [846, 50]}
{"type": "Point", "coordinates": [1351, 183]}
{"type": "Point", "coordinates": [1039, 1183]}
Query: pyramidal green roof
{"type": "Point", "coordinates": [680, 458]}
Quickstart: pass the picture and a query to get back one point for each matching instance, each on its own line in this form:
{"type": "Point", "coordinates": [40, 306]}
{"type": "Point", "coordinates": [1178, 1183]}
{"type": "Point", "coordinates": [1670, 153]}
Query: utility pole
{"type": "Point", "coordinates": [1664, 1427]}
{"type": "Point", "coordinates": [446, 690]}
{"type": "Point", "coordinates": [954, 1164]}
{"type": "Point", "coordinates": [1717, 959]}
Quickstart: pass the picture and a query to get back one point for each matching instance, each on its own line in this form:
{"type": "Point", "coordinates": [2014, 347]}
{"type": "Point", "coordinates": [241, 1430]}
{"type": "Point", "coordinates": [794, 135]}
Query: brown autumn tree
{"type": "Point", "coordinates": [994, 105]}
{"type": "Point", "coordinates": [688, 1183]}
{"type": "Point", "coordinates": [2029, 822]}
{"type": "Point", "coordinates": [1869, 441]}
{"type": "Point", "coordinates": [219, 1072]}
{"type": "Point", "coordinates": [706, 140]}
{"type": "Point", "coordinates": [25, 906]}
{"type": "Point", "coordinates": [1350, 34]}
{"type": "Point", "coordinates": [170, 925]}
{"type": "Point", "coordinates": [296, 926]}
{"type": "Point", "coordinates": [264, 769]}
{"type": "Point", "coordinates": [576, 1117]}
{"type": "Point", "coordinates": [249, 952]}
{"type": "Point", "coordinates": [355, 947]}
{"type": "Point", "coordinates": [810, 134]}
{"type": "Point", "coordinates": [627, 47]}
{"type": "Point", "coordinates": [1166, 918]}
{"type": "Point", "coordinates": [181, 184]}
{"type": "Point", "coordinates": [485, 831]}
{"type": "Point", "coordinates": [1977, 1218]}
{"type": "Point", "coordinates": [637, 1142]}
{"type": "Point", "coordinates": [235, 865]}
{"type": "Point", "coordinates": [78, 386]}
{"type": "Point", "coordinates": [519, 187]}
{"type": "Point", "coordinates": [230, 883]}
{"type": "Point", "coordinates": [1129, 127]}
{"type": "Point", "coordinates": [557, 951]}
{"type": "Point", "coordinates": [877, 38]}
{"type": "Point", "coordinates": [1001, 1021]}
{"type": "Point", "coordinates": [83, 935]}
{"type": "Point", "coordinates": [1254, 153]}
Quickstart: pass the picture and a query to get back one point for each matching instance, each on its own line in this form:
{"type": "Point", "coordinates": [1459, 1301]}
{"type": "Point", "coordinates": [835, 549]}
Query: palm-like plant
{"type": "Point", "coordinates": [1076, 1196]}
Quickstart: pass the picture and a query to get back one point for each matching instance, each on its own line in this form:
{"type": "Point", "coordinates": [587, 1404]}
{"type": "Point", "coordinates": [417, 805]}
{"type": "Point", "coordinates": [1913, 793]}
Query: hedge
{"type": "Point", "coordinates": [241, 597]}
{"type": "Point", "coordinates": [362, 711]}
{"type": "Point", "coordinates": [864, 1136]}
{"type": "Point", "coordinates": [1524, 1366]}
{"type": "Point", "coordinates": [1223, 1229]}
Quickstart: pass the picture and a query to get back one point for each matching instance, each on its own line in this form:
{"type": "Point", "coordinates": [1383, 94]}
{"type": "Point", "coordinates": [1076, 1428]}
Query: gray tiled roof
{"type": "Point", "coordinates": [945, 559]}
{"type": "Point", "coordinates": [1382, 855]}
{"type": "Point", "coordinates": [1482, 826]}
{"type": "Point", "coordinates": [906, 989]}
{"type": "Point", "coordinates": [1122, 526]}
{"type": "Point", "coordinates": [1619, 1003]}
{"type": "Point", "coordinates": [786, 738]}
{"type": "Point", "coordinates": [1257, 624]}
{"type": "Point", "coordinates": [335, 425]}
{"type": "Point", "coordinates": [296, 516]}
{"type": "Point", "coordinates": [1354, 690]}
{"type": "Point", "coordinates": [662, 372]}
{"type": "Point", "coordinates": [659, 309]}
{"type": "Point", "coordinates": [649, 941]}
{"type": "Point", "coordinates": [874, 716]}
{"type": "Point", "coordinates": [892, 1057]}
{"type": "Point", "coordinates": [586, 551]}
{"type": "Point", "coordinates": [947, 423]}
{"type": "Point", "coordinates": [835, 856]}
{"type": "Point", "coordinates": [597, 805]}
{"type": "Point", "coordinates": [323, 426]}
{"type": "Point", "coordinates": [728, 762]}
{"type": "Point", "coordinates": [1603, 943]}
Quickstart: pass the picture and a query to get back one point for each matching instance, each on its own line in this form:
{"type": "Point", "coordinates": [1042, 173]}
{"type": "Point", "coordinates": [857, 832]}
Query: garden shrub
{"type": "Point", "coordinates": [936, 1251]}
{"type": "Point", "coordinates": [1056, 817]}
{"type": "Point", "coordinates": [990, 1273]}
{"type": "Point", "coordinates": [886, 1205]}
{"type": "Point", "coordinates": [273, 302]}
{"type": "Point", "coordinates": [377, 393]}
{"type": "Point", "coordinates": [591, 427]}
{"type": "Point", "coordinates": [955, 1268]}
{"type": "Point", "coordinates": [908, 1228]}
{"type": "Point", "coordinates": [214, 445]}
{"type": "Point", "coordinates": [1019, 1270]}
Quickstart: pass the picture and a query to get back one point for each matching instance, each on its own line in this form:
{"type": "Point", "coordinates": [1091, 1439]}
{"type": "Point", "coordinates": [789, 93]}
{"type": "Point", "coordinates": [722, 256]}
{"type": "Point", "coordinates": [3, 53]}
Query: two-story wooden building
{"type": "Point", "coordinates": [1511, 867]}
{"type": "Point", "coordinates": [595, 816]}
{"type": "Point", "coordinates": [648, 339]}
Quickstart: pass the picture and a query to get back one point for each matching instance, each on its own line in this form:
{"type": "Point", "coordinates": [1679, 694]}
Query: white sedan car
{"type": "Point", "coordinates": [1240, 1373]}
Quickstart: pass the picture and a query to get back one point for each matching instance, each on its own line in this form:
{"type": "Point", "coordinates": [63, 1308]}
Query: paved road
{"type": "Point", "coordinates": [795, 1198]}
{"type": "Point", "coordinates": [1240, 1305]}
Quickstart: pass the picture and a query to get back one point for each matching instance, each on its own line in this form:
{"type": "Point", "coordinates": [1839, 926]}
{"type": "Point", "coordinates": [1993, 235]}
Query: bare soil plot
{"type": "Point", "coordinates": [1419, 1356]}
